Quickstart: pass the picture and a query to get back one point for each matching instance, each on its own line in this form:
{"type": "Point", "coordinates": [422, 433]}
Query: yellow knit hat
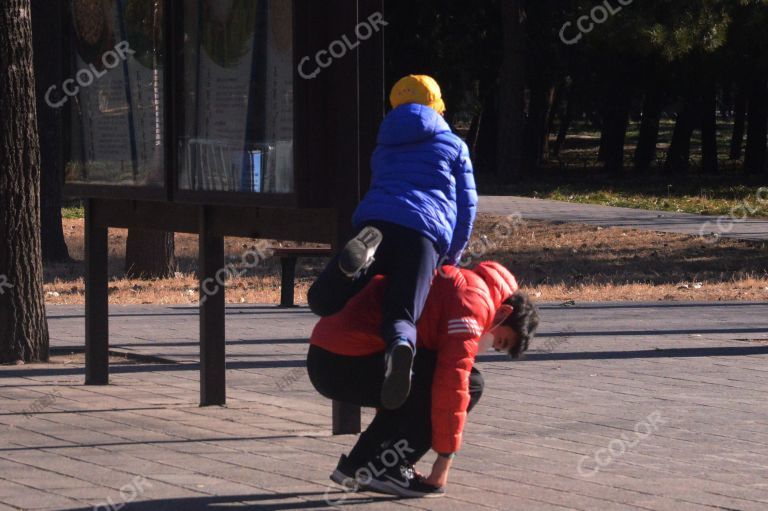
{"type": "Point", "coordinates": [420, 89]}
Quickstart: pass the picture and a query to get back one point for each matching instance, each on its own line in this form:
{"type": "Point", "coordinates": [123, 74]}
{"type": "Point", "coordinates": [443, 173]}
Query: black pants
{"type": "Point", "coordinates": [357, 380]}
{"type": "Point", "coordinates": [407, 258]}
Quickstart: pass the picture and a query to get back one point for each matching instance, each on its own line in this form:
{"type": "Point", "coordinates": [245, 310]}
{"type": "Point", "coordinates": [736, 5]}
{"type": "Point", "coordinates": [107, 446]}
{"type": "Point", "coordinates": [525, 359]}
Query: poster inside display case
{"type": "Point", "coordinates": [238, 96]}
{"type": "Point", "coordinates": [114, 94]}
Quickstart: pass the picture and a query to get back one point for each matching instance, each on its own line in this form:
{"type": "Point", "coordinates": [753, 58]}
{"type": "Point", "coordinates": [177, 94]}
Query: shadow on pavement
{"type": "Point", "coordinates": [141, 368]}
{"type": "Point", "coordinates": [652, 332]}
{"type": "Point", "coordinates": [645, 305]}
{"type": "Point", "coordinates": [725, 351]}
{"type": "Point", "coordinates": [332, 498]}
{"type": "Point", "coordinates": [193, 311]}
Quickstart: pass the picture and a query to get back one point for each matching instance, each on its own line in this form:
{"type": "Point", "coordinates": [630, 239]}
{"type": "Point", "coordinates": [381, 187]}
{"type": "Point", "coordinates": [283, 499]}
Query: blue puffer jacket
{"type": "Point", "coordinates": [422, 179]}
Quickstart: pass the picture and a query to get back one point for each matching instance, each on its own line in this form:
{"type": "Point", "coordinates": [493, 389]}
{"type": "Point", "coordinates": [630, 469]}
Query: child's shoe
{"type": "Point", "coordinates": [397, 378]}
{"type": "Point", "coordinates": [358, 253]}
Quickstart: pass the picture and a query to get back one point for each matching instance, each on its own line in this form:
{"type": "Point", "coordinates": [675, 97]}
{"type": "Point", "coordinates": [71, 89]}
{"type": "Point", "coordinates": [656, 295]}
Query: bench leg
{"type": "Point", "coordinates": [346, 418]}
{"type": "Point", "coordinates": [288, 281]}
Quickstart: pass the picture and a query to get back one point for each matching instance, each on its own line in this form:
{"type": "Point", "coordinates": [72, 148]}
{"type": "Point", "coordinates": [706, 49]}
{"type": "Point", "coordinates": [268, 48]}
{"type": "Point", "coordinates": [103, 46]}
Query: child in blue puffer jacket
{"type": "Point", "coordinates": [418, 213]}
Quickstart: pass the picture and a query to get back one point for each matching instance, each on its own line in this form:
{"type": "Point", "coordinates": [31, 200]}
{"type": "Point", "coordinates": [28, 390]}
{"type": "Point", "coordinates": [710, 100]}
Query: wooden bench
{"type": "Point", "coordinates": [288, 258]}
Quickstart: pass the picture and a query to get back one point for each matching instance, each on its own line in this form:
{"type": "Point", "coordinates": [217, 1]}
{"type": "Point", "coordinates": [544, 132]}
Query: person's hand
{"type": "Point", "coordinates": [439, 475]}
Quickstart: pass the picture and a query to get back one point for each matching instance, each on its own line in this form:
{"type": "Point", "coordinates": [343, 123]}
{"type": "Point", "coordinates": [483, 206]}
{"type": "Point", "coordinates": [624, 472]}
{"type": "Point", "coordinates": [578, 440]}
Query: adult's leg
{"type": "Point", "coordinates": [418, 433]}
{"type": "Point", "coordinates": [476, 386]}
{"type": "Point", "coordinates": [354, 380]}
{"type": "Point", "coordinates": [407, 430]}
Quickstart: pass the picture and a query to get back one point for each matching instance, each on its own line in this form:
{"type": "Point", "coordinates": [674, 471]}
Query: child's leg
{"type": "Point", "coordinates": [409, 263]}
{"type": "Point", "coordinates": [333, 289]}
{"type": "Point", "coordinates": [406, 432]}
{"type": "Point", "coordinates": [410, 269]}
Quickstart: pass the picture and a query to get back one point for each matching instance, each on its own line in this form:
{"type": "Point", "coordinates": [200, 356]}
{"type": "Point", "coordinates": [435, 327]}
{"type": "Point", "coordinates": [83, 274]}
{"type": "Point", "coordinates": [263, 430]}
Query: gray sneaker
{"type": "Point", "coordinates": [358, 254]}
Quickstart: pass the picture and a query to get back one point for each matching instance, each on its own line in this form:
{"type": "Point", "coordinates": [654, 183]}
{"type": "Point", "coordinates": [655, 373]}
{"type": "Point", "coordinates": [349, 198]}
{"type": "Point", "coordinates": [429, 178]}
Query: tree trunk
{"type": "Point", "coordinates": [473, 134]}
{"type": "Point", "coordinates": [536, 130]}
{"type": "Point", "coordinates": [645, 154]}
{"type": "Point", "coordinates": [757, 126]}
{"type": "Point", "coordinates": [487, 152]}
{"type": "Point", "coordinates": [614, 134]}
{"type": "Point", "coordinates": [511, 117]}
{"type": "Point", "coordinates": [708, 115]}
{"type": "Point", "coordinates": [551, 105]}
{"type": "Point", "coordinates": [726, 101]}
{"type": "Point", "coordinates": [47, 29]}
{"type": "Point", "coordinates": [739, 121]}
{"type": "Point", "coordinates": [602, 149]}
{"type": "Point", "coordinates": [678, 158]}
{"type": "Point", "coordinates": [565, 121]}
{"type": "Point", "coordinates": [23, 325]}
{"type": "Point", "coordinates": [556, 100]}
{"type": "Point", "coordinates": [149, 254]}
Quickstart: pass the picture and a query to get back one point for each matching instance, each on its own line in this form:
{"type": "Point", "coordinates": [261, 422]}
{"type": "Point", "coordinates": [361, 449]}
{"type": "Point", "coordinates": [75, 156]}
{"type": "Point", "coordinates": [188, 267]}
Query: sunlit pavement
{"type": "Point", "coordinates": [617, 406]}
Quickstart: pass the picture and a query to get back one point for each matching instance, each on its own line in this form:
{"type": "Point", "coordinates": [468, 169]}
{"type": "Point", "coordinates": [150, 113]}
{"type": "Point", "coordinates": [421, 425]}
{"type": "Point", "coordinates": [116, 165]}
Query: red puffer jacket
{"type": "Point", "coordinates": [460, 308]}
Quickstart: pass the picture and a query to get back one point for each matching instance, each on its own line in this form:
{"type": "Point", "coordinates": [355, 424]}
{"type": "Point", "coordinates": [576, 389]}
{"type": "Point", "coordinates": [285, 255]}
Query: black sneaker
{"type": "Point", "coordinates": [358, 253]}
{"type": "Point", "coordinates": [397, 378]}
{"type": "Point", "coordinates": [347, 475]}
{"type": "Point", "coordinates": [402, 481]}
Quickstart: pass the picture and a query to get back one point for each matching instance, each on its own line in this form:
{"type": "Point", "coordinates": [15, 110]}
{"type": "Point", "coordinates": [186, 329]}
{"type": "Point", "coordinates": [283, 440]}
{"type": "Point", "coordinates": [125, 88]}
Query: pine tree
{"type": "Point", "coordinates": [23, 326]}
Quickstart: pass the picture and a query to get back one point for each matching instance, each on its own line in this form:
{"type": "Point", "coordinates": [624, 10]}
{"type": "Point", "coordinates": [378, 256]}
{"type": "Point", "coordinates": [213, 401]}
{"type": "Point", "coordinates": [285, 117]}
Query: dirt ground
{"type": "Point", "coordinates": [553, 262]}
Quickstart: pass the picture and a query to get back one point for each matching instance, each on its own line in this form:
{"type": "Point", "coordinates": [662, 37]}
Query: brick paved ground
{"type": "Point", "coordinates": [591, 214]}
{"type": "Point", "coordinates": [671, 401]}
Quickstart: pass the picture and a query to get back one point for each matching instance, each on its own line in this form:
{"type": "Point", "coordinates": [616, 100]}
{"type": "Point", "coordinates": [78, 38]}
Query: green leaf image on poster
{"type": "Point", "coordinates": [227, 29]}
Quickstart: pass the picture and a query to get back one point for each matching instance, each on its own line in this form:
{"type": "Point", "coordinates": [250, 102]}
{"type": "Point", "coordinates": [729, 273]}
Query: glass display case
{"type": "Point", "coordinates": [227, 99]}
{"type": "Point", "coordinates": [237, 133]}
{"type": "Point", "coordinates": [115, 95]}
{"type": "Point", "coordinates": [201, 101]}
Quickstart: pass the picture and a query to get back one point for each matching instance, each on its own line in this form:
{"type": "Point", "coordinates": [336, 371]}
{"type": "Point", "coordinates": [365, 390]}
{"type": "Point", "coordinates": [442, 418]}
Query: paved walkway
{"type": "Point", "coordinates": [664, 221]}
{"type": "Point", "coordinates": [617, 407]}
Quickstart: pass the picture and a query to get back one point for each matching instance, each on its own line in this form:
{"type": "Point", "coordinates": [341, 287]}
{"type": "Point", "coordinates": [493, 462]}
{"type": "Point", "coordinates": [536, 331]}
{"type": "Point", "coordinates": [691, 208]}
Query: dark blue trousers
{"type": "Point", "coordinates": [407, 258]}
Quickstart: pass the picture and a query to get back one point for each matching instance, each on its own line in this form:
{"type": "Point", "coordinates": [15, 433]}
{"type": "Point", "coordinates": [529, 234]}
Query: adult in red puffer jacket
{"type": "Point", "coordinates": [345, 362]}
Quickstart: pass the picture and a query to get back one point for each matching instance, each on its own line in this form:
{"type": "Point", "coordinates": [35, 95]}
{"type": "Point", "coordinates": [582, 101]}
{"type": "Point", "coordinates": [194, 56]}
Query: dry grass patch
{"type": "Point", "coordinates": [558, 261]}
{"type": "Point", "coordinates": [554, 262]}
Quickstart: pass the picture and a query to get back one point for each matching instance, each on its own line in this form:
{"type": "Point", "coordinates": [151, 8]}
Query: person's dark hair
{"type": "Point", "coordinates": [524, 320]}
